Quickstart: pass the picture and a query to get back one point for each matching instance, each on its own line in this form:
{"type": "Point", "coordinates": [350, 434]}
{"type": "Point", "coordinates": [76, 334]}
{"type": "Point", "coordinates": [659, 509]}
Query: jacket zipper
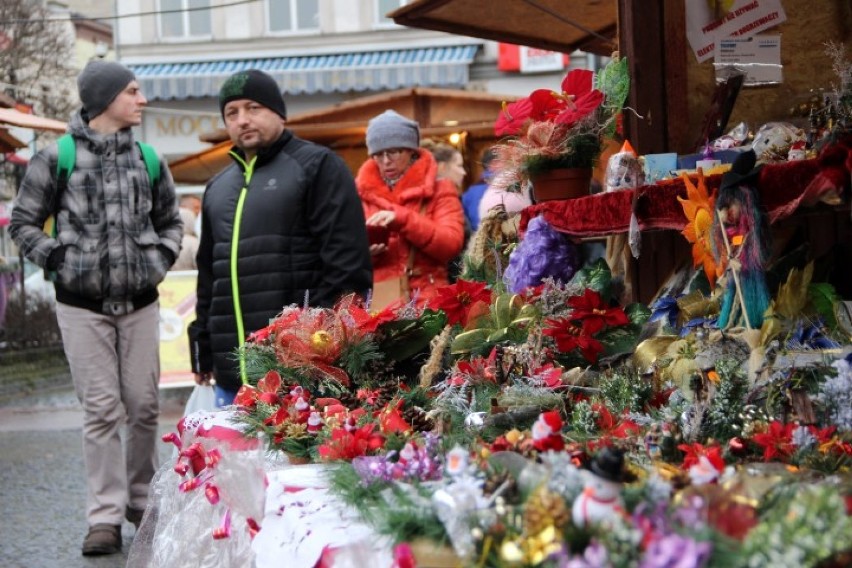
{"type": "Point", "coordinates": [248, 170]}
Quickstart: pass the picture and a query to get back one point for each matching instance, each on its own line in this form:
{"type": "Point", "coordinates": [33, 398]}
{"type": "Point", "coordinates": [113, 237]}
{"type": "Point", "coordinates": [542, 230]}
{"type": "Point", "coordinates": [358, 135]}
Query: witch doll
{"type": "Point", "coordinates": [741, 241]}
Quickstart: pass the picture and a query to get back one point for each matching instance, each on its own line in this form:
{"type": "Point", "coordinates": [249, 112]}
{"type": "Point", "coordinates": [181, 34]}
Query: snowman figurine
{"type": "Point", "coordinates": [601, 500]}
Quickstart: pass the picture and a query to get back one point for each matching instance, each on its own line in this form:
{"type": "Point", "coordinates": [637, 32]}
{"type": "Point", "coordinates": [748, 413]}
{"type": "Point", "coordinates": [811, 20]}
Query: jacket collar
{"type": "Point", "coordinates": [265, 154]}
{"type": "Point", "coordinates": [79, 128]}
{"type": "Point", "coordinates": [416, 184]}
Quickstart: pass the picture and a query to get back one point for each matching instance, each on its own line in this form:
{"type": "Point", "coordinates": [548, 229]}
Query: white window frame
{"type": "Point", "coordinates": [294, 18]}
{"type": "Point", "coordinates": [186, 37]}
{"type": "Point", "coordinates": [378, 16]}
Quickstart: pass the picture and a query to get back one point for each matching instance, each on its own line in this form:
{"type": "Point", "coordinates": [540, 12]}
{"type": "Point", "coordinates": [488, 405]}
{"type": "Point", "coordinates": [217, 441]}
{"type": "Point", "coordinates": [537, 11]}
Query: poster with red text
{"type": "Point", "coordinates": [710, 20]}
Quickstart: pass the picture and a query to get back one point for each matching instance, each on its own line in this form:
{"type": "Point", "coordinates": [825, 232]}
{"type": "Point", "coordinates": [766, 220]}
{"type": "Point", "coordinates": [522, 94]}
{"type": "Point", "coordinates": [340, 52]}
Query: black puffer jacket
{"type": "Point", "coordinates": [301, 232]}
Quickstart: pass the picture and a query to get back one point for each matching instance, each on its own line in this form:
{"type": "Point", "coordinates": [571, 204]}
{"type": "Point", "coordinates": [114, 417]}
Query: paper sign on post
{"type": "Point", "coordinates": [759, 58]}
{"type": "Point", "coordinates": [744, 19]}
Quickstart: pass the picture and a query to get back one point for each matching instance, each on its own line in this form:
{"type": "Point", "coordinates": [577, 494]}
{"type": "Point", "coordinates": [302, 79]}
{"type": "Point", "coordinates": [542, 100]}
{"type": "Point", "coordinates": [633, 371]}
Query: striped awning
{"type": "Point", "coordinates": [367, 71]}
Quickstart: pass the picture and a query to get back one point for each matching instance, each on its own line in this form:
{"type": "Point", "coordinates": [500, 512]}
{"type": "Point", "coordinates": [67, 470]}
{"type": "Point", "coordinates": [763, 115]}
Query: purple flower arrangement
{"type": "Point", "coordinates": [543, 252]}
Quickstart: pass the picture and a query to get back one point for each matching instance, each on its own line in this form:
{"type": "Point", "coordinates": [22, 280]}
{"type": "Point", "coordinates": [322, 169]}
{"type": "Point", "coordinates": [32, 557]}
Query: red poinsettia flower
{"type": "Point", "coordinates": [477, 370]}
{"type": "Point", "coordinates": [569, 337]}
{"type": "Point", "coordinates": [456, 300]}
{"type": "Point", "coordinates": [266, 391]}
{"type": "Point", "coordinates": [391, 420]}
{"type": "Point", "coordinates": [594, 314]}
{"type": "Point", "coordinates": [576, 101]}
{"type": "Point", "coordinates": [579, 98]}
{"type": "Point", "coordinates": [548, 375]}
{"type": "Point", "coordinates": [346, 445]}
{"type": "Point", "coordinates": [695, 451]}
{"type": "Point", "coordinates": [776, 441]}
{"type": "Point", "coordinates": [513, 117]}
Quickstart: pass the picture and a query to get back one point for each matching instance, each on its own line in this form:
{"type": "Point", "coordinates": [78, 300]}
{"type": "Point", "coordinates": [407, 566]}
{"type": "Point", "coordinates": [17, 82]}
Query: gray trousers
{"type": "Point", "coordinates": [115, 367]}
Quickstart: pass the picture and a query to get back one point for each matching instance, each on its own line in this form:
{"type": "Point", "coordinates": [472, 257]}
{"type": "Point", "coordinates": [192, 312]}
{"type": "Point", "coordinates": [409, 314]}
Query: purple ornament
{"type": "Point", "coordinates": [676, 551]}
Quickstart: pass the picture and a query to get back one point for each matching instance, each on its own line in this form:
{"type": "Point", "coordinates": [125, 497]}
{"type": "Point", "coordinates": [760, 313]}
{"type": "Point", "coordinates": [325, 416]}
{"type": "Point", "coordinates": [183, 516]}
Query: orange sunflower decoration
{"type": "Point", "coordinates": [698, 208]}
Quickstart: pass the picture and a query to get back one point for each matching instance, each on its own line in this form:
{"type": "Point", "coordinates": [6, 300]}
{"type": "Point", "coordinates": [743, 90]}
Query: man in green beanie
{"type": "Point", "coordinates": [281, 225]}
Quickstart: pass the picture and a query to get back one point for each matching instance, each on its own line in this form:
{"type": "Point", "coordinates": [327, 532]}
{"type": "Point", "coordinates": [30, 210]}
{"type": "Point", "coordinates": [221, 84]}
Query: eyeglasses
{"type": "Point", "coordinates": [391, 154]}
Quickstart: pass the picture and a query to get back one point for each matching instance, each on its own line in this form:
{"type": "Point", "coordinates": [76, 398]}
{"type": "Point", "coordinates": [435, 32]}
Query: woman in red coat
{"type": "Point", "coordinates": [400, 191]}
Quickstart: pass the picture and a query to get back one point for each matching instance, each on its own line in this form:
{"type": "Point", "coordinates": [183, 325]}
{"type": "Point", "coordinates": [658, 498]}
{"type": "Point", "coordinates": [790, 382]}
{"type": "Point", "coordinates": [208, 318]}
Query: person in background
{"type": "Point", "coordinates": [281, 225]}
{"type": "Point", "coordinates": [450, 162]}
{"type": "Point", "coordinates": [116, 238]}
{"type": "Point", "coordinates": [189, 243]}
{"type": "Point", "coordinates": [512, 202]}
{"type": "Point", "coordinates": [472, 196]}
{"type": "Point", "coordinates": [451, 167]}
{"type": "Point", "coordinates": [193, 203]}
{"type": "Point", "coordinates": [400, 190]}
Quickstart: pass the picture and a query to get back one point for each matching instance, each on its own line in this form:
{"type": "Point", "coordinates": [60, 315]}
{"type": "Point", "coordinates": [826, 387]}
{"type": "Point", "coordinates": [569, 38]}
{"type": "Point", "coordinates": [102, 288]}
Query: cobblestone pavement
{"type": "Point", "coordinates": [42, 491]}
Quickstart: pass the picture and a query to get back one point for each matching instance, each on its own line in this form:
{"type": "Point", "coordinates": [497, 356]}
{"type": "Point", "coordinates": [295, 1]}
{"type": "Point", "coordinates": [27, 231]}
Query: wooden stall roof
{"type": "Point", "coordinates": [24, 120]}
{"type": "Point", "coordinates": [343, 126]}
{"type": "Point", "coordinates": [9, 143]}
{"type": "Point", "coordinates": [557, 25]}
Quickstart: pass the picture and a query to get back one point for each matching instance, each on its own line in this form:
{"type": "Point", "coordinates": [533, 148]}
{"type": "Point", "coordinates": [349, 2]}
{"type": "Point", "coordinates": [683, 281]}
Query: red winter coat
{"type": "Point", "coordinates": [437, 233]}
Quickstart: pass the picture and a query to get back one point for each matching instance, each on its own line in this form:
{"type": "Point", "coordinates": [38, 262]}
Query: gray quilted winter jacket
{"type": "Point", "coordinates": [120, 236]}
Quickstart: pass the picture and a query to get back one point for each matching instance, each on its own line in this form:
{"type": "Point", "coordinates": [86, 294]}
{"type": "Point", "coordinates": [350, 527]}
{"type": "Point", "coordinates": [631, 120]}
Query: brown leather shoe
{"type": "Point", "coordinates": [134, 515]}
{"type": "Point", "coordinates": [102, 539]}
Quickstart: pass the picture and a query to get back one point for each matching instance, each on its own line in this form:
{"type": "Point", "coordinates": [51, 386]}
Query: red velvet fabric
{"type": "Point", "coordinates": [783, 188]}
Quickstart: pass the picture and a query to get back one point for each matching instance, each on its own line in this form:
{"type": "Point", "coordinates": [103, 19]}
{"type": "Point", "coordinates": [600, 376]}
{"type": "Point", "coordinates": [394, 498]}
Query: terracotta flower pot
{"type": "Point", "coordinates": [561, 183]}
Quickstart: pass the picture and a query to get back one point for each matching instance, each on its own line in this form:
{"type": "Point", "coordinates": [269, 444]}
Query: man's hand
{"type": "Point", "coordinates": [205, 379]}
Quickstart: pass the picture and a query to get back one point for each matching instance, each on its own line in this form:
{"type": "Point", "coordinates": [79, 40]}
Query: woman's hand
{"type": "Point", "coordinates": [378, 249]}
{"type": "Point", "coordinates": [383, 218]}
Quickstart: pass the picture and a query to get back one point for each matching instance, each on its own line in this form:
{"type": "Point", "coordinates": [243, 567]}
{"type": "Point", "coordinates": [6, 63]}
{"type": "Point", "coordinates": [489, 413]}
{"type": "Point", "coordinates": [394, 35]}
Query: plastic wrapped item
{"type": "Point", "coordinates": [735, 137]}
{"type": "Point", "coordinates": [624, 170]}
{"type": "Point", "coordinates": [205, 508]}
{"type": "Point", "coordinates": [773, 141]}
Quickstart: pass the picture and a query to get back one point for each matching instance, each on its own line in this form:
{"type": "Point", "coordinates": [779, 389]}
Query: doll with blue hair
{"type": "Point", "coordinates": [742, 241]}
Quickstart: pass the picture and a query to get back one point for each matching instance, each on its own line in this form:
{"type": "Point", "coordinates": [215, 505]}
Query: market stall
{"type": "Point", "coordinates": [535, 414]}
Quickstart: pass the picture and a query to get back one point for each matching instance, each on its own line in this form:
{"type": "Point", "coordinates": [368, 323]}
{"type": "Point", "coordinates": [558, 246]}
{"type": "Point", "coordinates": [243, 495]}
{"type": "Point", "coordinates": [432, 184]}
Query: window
{"type": "Point", "coordinates": [184, 18]}
{"type": "Point", "coordinates": [384, 7]}
{"type": "Point", "coordinates": [285, 16]}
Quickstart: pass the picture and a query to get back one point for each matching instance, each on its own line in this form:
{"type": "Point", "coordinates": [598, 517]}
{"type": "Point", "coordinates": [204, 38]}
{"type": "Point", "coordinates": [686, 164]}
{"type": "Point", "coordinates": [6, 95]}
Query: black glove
{"type": "Point", "coordinates": [55, 258]}
{"type": "Point", "coordinates": [167, 254]}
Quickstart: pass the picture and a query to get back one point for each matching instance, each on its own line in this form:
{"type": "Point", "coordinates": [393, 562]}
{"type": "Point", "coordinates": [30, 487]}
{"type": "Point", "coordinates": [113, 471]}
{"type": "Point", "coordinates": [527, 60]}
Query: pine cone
{"type": "Point", "coordinates": [543, 509]}
{"type": "Point", "coordinates": [494, 481]}
{"type": "Point", "coordinates": [419, 420]}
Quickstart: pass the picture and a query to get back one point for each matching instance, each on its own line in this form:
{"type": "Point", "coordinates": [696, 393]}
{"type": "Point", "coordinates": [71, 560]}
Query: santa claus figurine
{"type": "Point", "coordinates": [314, 422]}
{"type": "Point", "coordinates": [601, 500]}
{"type": "Point", "coordinates": [547, 432]}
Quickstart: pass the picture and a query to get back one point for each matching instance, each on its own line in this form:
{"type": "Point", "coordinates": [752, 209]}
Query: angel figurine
{"type": "Point", "coordinates": [741, 241]}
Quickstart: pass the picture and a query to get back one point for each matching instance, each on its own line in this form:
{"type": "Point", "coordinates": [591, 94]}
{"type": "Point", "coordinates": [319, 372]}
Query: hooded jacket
{"type": "Point", "coordinates": [436, 232]}
{"type": "Point", "coordinates": [285, 228]}
{"type": "Point", "coordinates": [119, 234]}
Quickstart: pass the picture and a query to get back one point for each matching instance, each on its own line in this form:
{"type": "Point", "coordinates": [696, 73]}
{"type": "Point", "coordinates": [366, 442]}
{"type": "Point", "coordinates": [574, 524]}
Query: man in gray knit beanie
{"type": "Point", "coordinates": [99, 83]}
{"type": "Point", "coordinates": [117, 233]}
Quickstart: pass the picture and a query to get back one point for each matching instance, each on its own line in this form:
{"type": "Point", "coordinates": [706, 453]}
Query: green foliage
{"type": "Point", "coordinates": [823, 297]}
{"type": "Point", "coordinates": [402, 339]}
{"type": "Point", "coordinates": [805, 525]}
{"type": "Point", "coordinates": [596, 276]}
{"type": "Point", "coordinates": [584, 418]}
{"type": "Point", "coordinates": [358, 358]}
{"type": "Point", "coordinates": [724, 419]}
{"type": "Point", "coordinates": [625, 390]}
{"type": "Point", "coordinates": [614, 81]}
{"type": "Point", "coordinates": [401, 514]}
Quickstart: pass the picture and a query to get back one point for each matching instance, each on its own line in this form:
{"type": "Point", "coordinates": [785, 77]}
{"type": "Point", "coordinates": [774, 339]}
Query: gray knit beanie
{"type": "Point", "coordinates": [100, 82]}
{"type": "Point", "coordinates": [253, 85]}
{"type": "Point", "coordinates": [392, 130]}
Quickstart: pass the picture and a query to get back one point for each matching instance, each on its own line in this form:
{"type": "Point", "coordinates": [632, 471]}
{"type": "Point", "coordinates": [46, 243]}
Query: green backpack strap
{"type": "Point", "coordinates": [65, 159]}
{"type": "Point", "coordinates": [152, 164]}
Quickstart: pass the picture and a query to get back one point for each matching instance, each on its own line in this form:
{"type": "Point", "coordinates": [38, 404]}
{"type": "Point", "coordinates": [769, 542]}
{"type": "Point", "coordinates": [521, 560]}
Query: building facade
{"type": "Point", "coordinates": [321, 52]}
